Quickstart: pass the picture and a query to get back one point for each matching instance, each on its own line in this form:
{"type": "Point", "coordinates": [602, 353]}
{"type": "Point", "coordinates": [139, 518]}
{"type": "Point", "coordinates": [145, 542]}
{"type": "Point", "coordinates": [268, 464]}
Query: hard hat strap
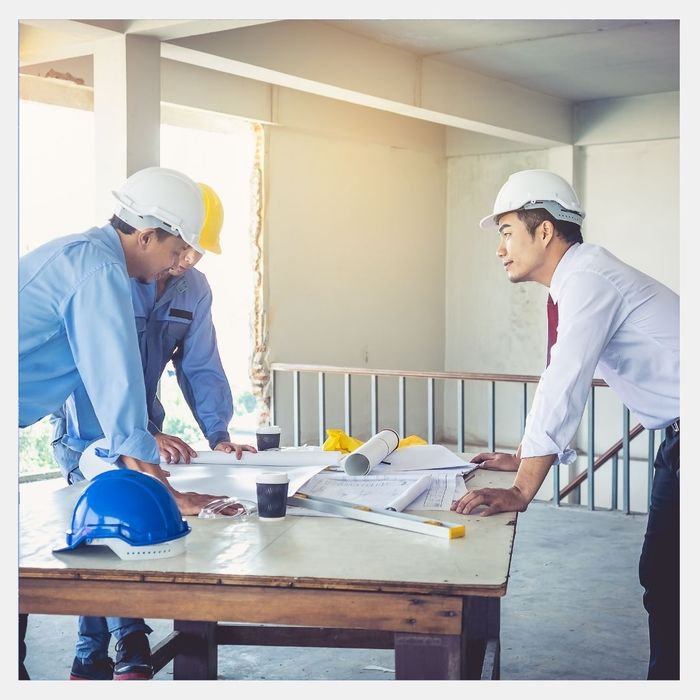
{"type": "Point", "coordinates": [556, 210]}
{"type": "Point", "coordinates": [140, 222]}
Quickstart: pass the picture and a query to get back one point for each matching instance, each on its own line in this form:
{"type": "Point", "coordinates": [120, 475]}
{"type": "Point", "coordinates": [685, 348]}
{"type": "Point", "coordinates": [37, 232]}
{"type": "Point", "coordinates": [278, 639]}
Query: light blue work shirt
{"type": "Point", "coordinates": [76, 328]}
{"type": "Point", "coordinates": [176, 327]}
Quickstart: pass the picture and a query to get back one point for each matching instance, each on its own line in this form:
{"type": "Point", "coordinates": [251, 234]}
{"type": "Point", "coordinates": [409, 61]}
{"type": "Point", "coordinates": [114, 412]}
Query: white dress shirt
{"type": "Point", "coordinates": [618, 321]}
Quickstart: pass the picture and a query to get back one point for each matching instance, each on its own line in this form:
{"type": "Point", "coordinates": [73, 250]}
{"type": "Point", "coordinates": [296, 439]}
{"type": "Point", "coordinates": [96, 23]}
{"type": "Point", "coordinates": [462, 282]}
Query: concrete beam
{"type": "Point", "coordinates": [318, 58]}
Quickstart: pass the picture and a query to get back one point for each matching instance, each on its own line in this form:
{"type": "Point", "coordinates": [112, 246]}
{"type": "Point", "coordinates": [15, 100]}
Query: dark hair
{"type": "Point", "coordinates": [566, 230]}
{"type": "Point", "coordinates": [127, 230]}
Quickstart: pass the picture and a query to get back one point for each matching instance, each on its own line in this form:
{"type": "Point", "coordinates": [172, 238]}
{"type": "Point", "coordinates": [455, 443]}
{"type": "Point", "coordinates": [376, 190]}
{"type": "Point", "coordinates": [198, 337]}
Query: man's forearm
{"type": "Point", "coordinates": [531, 473]}
{"type": "Point", "coordinates": [147, 467]}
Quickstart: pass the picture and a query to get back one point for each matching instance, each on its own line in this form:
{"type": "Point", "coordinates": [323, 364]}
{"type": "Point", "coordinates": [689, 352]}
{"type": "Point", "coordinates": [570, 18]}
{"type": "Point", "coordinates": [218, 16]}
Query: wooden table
{"type": "Point", "coordinates": [302, 581]}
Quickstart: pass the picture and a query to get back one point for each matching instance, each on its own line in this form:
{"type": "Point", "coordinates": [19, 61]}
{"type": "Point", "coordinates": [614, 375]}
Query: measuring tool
{"type": "Point", "coordinates": [403, 521]}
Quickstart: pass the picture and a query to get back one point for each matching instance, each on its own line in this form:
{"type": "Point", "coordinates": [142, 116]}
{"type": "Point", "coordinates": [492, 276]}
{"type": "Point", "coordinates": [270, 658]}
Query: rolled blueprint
{"type": "Point", "coordinates": [367, 456]}
{"type": "Point", "coordinates": [410, 494]}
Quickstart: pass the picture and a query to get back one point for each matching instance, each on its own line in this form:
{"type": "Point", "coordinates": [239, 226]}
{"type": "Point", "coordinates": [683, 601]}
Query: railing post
{"type": "Point", "coordinates": [431, 410]}
{"type": "Point", "coordinates": [321, 408]}
{"type": "Point", "coordinates": [460, 415]}
{"type": "Point", "coordinates": [613, 489]}
{"type": "Point", "coordinates": [297, 416]}
{"type": "Point", "coordinates": [402, 407]}
{"type": "Point", "coordinates": [348, 405]}
{"type": "Point", "coordinates": [626, 460]}
{"type": "Point", "coordinates": [374, 397]}
{"type": "Point", "coordinates": [591, 449]}
{"type": "Point", "coordinates": [650, 466]}
{"type": "Point", "coordinates": [523, 417]}
{"type": "Point", "coordinates": [492, 421]}
{"type": "Point", "coordinates": [556, 486]}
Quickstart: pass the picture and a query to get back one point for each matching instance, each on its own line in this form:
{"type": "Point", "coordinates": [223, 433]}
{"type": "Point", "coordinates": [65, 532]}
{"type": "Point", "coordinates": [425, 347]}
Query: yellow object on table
{"type": "Point", "coordinates": [339, 440]}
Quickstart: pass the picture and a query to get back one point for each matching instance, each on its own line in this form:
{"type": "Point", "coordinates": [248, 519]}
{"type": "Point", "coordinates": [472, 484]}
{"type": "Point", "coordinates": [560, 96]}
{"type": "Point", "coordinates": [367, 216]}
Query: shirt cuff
{"type": "Point", "coordinates": [139, 445]}
{"type": "Point", "coordinates": [546, 446]}
{"type": "Point", "coordinates": [220, 436]}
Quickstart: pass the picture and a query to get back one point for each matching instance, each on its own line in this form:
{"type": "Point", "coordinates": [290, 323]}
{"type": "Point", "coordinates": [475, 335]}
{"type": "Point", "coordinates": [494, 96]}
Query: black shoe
{"type": "Point", "coordinates": [133, 658]}
{"type": "Point", "coordinates": [99, 670]}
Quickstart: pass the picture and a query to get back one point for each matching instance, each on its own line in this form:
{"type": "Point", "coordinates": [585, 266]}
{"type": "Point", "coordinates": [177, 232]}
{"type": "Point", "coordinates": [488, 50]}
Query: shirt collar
{"type": "Point", "coordinates": [561, 272]}
{"type": "Point", "coordinates": [109, 237]}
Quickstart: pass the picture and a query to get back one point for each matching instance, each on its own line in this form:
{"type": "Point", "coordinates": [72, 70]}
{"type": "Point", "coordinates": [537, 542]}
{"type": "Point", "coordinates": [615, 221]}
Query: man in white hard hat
{"type": "Point", "coordinates": [76, 320]}
{"type": "Point", "coordinates": [173, 322]}
{"type": "Point", "coordinates": [604, 315]}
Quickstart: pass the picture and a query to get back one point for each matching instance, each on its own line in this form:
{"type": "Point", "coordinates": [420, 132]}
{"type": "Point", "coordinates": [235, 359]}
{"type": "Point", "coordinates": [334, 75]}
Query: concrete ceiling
{"type": "Point", "coordinates": [576, 60]}
{"type": "Point", "coordinates": [517, 80]}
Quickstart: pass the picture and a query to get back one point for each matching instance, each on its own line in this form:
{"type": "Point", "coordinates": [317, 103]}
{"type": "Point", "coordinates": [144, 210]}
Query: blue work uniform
{"type": "Point", "coordinates": [179, 327]}
{"type": "Point", "coordinates": [176, 327]}
{"type": "Point", "coordinates": [76, 328]}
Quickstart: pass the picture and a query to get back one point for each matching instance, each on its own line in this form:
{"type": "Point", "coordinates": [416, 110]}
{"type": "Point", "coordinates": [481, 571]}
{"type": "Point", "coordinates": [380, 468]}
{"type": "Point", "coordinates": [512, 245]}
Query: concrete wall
{"type": "Point", "coordinates": [355, 251]}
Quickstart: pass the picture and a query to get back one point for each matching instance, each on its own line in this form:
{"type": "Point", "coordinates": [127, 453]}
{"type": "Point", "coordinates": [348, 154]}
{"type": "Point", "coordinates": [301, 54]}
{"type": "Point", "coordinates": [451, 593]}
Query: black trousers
{"type": "Point", "coordinates": [659, 564]}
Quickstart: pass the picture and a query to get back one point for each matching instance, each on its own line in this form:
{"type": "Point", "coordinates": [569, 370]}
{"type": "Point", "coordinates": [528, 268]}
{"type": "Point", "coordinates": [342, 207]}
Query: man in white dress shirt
{"type": "Point", "coordinates": [624, 323]}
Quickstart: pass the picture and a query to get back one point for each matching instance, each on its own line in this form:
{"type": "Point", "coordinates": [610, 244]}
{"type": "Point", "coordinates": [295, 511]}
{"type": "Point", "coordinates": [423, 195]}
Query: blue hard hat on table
{"type": "Point", "coordinates": [132, 513]}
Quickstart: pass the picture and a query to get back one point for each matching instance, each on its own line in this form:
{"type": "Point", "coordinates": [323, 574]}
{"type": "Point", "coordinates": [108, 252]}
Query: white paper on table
{"type": "Point", "coordinates": [91, 465]}
{"type": "Point", "coordinates": [219, 480]}
{"type": "Point", "coordinates": [370, 490]}
{"type": "Point", "coordinates": [286, 457]}
{"type": "Point", "coordinates": [214, 479]}
{"type": "Point", "coordinates": [422, 457]}
{"type": "Point", "coordinates": [444, 489]}
{"type": "Point", "coordinates": [446, 486]}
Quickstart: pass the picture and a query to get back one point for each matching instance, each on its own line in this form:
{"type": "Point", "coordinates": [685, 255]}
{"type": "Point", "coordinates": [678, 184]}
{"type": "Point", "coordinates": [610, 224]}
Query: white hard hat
{"type": "Point", "coordinates": [162, 198]}
{"type": "Point", "coordinates": [536, 189]}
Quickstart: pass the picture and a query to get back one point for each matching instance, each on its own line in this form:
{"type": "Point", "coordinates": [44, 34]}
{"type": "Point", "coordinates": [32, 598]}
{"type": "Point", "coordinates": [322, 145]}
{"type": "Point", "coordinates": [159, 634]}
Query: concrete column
{"type": "Point", "coordinates": [127, 112]}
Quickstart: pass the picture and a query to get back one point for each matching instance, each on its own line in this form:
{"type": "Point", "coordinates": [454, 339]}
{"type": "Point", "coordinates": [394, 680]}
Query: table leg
{"type": "Point", "coordinates": [198, 656]}
{"type": "Point", "coordinates": [481, 631]}
{"type": "Point", "coordinates": [427, 656]}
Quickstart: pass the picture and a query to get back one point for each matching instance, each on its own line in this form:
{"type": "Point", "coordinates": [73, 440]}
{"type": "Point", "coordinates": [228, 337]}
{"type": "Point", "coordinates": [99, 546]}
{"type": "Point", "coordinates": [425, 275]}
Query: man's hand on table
{"type": "Point", "coordinates": [497, 461]}
{"type": "Point", "coordinates": [172, 449]}
{"type": "Point", "coordinates": [188, 502]}
{"type": "Point", "coordinates": [528, 479]}
{"type": "Point", "coordinates": [232, 446]}
{"type": "Point", "coordinates": [495, 500]}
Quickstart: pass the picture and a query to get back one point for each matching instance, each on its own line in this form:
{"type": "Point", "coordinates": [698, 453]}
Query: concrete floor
{"type": "Point", "coordinates": [573, 611]}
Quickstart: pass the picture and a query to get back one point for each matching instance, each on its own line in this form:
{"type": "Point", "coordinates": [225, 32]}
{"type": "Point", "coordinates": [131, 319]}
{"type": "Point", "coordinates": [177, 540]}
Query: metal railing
{"type": "Point", "coordinates": [612, 454]}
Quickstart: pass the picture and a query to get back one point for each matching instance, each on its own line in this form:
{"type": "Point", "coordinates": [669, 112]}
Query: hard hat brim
{"type": "Point", "coordinates": [488, 223]}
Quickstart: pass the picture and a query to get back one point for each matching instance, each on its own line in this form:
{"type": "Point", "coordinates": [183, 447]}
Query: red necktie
{"type": "Point", "coordinates": [552, 323]}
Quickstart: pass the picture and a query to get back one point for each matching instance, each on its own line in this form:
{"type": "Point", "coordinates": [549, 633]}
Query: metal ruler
{"type": "Point", "coordinates": [403, 521]}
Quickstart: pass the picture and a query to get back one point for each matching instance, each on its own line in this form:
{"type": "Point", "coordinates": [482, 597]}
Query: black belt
{"type": "Point", "coordinates": [674, 428]}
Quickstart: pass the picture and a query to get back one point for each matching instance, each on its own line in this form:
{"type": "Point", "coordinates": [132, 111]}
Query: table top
{"type": "Point", "coordinates": [299, 551]}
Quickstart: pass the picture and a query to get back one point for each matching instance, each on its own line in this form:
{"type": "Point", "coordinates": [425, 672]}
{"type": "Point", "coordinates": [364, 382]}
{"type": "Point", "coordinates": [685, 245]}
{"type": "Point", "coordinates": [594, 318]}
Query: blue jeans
{"type": "Point", "coordinates": [94, 634]}
{"type": "Point", "coordinates": [659, 564]}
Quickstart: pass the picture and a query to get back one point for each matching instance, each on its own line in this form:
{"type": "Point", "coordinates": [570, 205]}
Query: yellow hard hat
{"type": "Point", "coordinates": [213, 219]}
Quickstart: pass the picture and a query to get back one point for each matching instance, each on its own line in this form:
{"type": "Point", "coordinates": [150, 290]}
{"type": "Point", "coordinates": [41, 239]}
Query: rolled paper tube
{"type": "Point", "coordinates": [362, 460]}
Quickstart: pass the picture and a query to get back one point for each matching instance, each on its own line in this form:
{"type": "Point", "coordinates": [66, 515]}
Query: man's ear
{"type": "Point", "coordinates": [546, 232]}
{"type": "Point", "coordinates": [145, 237]}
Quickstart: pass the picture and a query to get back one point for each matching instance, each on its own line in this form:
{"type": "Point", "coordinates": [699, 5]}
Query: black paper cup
{"type": "Point", "coordinates": [268, 438]}
{"type": "Point", "coordinates": [272, 495]}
